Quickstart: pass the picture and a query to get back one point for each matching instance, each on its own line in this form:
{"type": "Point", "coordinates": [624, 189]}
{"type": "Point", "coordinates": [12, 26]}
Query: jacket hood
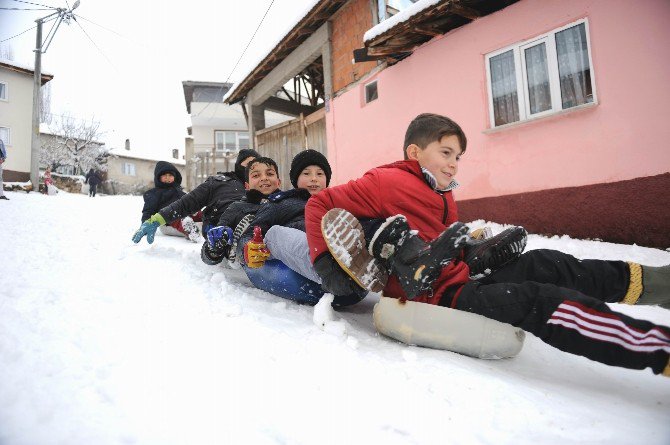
{"type": "Point", "coordinates": [166, 167]}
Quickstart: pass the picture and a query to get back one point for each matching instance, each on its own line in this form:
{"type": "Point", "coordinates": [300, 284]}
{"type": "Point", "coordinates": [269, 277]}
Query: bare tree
{"type": "Point", "coordinates": [74, 143]}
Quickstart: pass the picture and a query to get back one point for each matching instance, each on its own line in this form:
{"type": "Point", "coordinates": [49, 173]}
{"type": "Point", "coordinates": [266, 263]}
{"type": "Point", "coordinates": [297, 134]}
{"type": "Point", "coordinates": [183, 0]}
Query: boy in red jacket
{"type": "Point", "coordinates": [555, 296]}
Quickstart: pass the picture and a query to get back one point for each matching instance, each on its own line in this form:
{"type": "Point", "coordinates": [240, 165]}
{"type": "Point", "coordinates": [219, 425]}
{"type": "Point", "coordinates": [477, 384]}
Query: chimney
{"type": "Point", "coordinates": [128, 144]}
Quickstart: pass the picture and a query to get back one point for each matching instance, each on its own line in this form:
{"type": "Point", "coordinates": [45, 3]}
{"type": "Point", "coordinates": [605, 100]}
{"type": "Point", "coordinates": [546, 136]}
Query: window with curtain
{"type": "Point", "coordinates": [3, 90]}
{"type": "Point", "coordinates": [541, 76]}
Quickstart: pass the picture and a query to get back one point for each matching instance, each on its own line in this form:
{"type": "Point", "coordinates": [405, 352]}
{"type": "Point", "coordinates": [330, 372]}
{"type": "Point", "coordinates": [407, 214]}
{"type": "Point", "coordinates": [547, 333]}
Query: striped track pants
{"type": "Point", "coordinates": [561, 300]}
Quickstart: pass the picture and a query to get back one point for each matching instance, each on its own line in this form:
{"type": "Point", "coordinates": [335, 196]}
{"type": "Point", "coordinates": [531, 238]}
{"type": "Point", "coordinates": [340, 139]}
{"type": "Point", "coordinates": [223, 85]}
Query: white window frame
{"type": "Point", "coordinates": [129, 169]}
{"type": "Point", "coordinates": [237, 134]}
{"type": "Point", "coordinates": [554, 81]}
{"type": "Point", "coordinates": [6, 89]}
{"type": "Point", "coordinates": [8, 142]}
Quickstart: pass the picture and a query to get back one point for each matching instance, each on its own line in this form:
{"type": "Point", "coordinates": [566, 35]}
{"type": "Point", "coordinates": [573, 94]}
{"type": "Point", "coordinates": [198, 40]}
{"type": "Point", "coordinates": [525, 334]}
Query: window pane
{"type": "Point", "coordinates": [573, 66]}
{"type": "Point", "coordinates": [218, 138]}
{"type": "Point", "coordinates": [243, 139]}
{"type": "Point", "coordinates": [230, 141]}
{"type": "Point", "coordinates": [539, 94]}
{"type": "Point", "coordinates": [4, 135]}
{"type": "Point", "coordinates": [389, 8]}
{"type": "Point", "coordinates": [3, 91]}
{"type": "Point", "coordinates": [504, 89]}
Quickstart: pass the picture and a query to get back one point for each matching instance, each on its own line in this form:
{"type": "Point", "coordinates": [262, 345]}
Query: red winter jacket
{"type": "Point", "coordinates": [392, 189]}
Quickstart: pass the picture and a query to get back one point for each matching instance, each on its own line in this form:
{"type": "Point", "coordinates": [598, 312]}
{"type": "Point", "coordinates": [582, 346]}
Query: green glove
{"type": "Point", "coordinates": [149, 228]}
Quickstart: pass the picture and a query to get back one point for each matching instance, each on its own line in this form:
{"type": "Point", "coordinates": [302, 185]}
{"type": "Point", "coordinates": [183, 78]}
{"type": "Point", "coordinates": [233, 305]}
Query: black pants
{"type": "Point", "coordinates": [561, 300]}
{"type": "Point", "coordinates": [92, 189]}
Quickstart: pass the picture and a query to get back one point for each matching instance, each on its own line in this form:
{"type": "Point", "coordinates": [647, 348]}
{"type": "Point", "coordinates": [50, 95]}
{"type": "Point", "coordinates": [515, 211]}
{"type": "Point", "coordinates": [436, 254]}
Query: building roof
{"type": "Point", "coordinates": [392, 39]}
{"type": "Point", "coordinates": [125, 154]}
{"type": "Point", "coordinates": [24, 69]}
{"type": "Point", "coordinates": [216, 91]}
{"type": "Point", "coordinates": [316, 15]}
{"type": "Point", "coordinates": [399, 35]}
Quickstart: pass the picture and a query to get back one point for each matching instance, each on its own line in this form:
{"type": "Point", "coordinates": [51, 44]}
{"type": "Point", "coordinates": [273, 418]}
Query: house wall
{"type": "Point", "coordinates": [143, 179]}
{"type": "Point", "coordinates": [622, 138]}
{"type": "Point", "coordinates": [16, 113]}
{"type": "Point", "coordinates": [348, 26]}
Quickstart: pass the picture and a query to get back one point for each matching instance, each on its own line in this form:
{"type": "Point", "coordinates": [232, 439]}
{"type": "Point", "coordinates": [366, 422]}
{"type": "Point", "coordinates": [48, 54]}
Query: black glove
{"type": "Point", "coordinates": [334, 279]}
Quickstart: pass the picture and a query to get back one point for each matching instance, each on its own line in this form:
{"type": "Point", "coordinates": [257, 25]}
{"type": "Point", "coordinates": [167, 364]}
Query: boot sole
{"type": "Point", "coordinates": [345, 238]}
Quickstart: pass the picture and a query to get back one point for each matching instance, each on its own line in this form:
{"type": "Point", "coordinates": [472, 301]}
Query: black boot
{"type": "Point", "coordinates": [416, 263]}
{"type": "Point", "coordinates": [485, 256]}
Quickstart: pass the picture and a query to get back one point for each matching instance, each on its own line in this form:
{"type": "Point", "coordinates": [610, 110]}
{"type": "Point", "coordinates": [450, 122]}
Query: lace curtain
{"type": "Point", "coordinates": [573, 66]}
{"type": "Point", "coordinates": [504, 89]}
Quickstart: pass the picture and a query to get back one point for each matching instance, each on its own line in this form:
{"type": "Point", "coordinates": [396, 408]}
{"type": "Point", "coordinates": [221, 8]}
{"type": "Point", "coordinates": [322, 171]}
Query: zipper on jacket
{"type": "Point", "coordinates": [446, 209]}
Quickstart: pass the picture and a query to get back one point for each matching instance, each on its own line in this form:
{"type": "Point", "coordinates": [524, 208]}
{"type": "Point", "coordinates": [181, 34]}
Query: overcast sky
{"type": "Point", "coordinates": [124, 65]}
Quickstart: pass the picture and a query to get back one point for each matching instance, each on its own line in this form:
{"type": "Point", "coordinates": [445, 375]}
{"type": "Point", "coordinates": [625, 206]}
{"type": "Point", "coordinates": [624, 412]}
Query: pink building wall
{"type": "Point", "coordinates": [624, 136]}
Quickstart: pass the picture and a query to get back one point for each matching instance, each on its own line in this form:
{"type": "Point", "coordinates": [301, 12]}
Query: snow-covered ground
{"type": "Point", "coordinates": [107, 342]}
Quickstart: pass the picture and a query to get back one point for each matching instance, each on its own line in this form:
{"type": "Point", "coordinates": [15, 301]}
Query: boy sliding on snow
{"type": "Point", "coordinates": [167, 181]}
{"type": "Point", "coordinates": [261, 180]}
{"type": "Point", "coordinates": [282, 220]}
{"type": "Point", "coordinates": [212, 197]}
{"type": "Point", "coordinates": [553, 295]}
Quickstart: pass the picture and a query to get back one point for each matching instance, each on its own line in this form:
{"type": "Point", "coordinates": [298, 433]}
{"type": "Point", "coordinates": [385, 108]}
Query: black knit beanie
{"type": "Point", "coordinates": [306, 158]}
{"type": "Point", "coordinates": [243, 154]}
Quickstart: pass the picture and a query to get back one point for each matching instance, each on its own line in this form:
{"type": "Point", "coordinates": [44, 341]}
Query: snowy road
{"type": "Point", "coordinates": [106, 342]}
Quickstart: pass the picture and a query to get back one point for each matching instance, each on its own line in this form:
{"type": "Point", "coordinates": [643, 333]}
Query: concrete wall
{"type": "Point", "coordinates": [623, 137]}
{"type": "Point", "coordinates": [143, 179]}
{"type": "Point", "coordinates": [16, 113]}
{"type": "Point", "coordinates": [621, 140]}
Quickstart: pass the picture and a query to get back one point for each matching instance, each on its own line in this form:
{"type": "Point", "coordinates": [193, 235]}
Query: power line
{"type": "Point", "coordinates": [240, 58]}
{"type": "Point", "coordinates": [23, 32]}
{"type": "Point", "coordinates": [94, 44]}
{"type": "Point", "coordinates": [28, 9]}
{"type": "Point", "coordinates": [96, 24]}
{"type": "Point", "coordinates": [35, 4]}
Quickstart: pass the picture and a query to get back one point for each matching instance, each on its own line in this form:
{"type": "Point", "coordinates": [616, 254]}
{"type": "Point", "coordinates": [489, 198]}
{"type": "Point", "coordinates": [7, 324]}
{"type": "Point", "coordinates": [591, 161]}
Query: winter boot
{"type": "Point", "coordinates": [345, 238]}
{"type": "Point", "coordinates": [416, 263]}
{"type": "Point", "coordinates": [648, 285]}
{"type": "Point", "coordinates": [485, 256]}
{"type": "Point", "coordinates": [191, 229]}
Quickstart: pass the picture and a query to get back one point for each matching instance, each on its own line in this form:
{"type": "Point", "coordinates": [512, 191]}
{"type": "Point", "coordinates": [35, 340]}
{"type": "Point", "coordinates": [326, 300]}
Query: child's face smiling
{"type": "Point", "coordinates": [167, 178]}
{"type": "Point", "coordinates": [440, 158]}
{"type": "Point", "coordinates": [263, 177]}
{"type": "Point", "coordinates": [312, 178]}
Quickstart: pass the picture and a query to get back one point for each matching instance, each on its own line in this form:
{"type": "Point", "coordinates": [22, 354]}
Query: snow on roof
{"type": "Point", "coordinates": [23, 66]}
{"type": "Point", "coordinates": [400, 17]}
{"type": "Point", "coordinates": [268, 50]}
{"type": "Point", "coordinates": [123, 153]}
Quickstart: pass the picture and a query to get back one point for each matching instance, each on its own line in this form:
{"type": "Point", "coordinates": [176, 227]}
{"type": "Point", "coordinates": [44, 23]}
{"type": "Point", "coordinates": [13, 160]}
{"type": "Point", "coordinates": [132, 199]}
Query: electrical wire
{"type": "Point", "coordinates": [35, 4]}
{"type": "Point", "coordinates": [94, 44]}
{"type": "Point", "coordinates": [96, 24]}
{"type": "Point", "coordinates": [239, 59]}
{"type": "Point", "coordinates": [27, 9]}
{"type": "Point", "coordinates": [23, 32]}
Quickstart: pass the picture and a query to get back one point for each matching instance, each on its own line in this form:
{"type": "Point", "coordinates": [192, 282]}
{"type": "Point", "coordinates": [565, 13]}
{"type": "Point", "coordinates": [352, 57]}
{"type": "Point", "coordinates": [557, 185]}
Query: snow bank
{"type": "Point", "coordinates": [106, 342]}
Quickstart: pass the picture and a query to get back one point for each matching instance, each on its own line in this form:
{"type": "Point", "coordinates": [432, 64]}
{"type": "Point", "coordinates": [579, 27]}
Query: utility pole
{"type": "Point", "coordinates": [66, 15]}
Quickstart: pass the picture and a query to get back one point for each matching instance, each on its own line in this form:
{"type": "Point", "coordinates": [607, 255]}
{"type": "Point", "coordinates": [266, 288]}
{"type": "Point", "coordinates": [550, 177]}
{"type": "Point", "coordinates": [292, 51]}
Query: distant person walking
{"type": "Point", "coordinates": [48, 182]}
{"type": "Point", "coordinates": [92, 179]}
{"type": "Point", "coordinates": [3, 156]}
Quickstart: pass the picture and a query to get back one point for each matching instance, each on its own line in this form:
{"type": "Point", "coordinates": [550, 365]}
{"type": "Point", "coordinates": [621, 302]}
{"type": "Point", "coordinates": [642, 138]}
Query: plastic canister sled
{"type": "Point", "coordinates": [440, 327]}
